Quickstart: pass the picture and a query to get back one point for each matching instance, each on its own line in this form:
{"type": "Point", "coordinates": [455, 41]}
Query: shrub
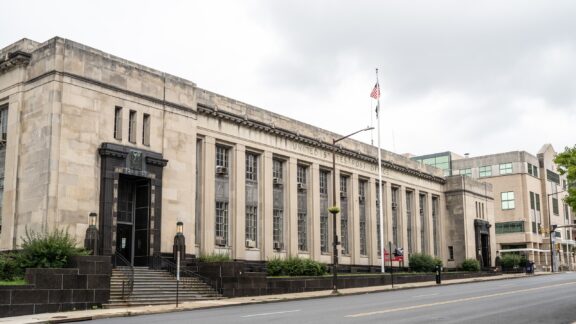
{"type": "Point", "coordinates": [294, 266]}
{"type": "Point", "coordinates": [420, 262]}
{"type": "Point", "coordinates": [215, 257]}
{"type": "Point", "coordinates": [511, 261]}
{"type": "Point", "coordinates": [470, 265]}
{"type": "Point", "coordinates": [9, 268]}
{"type": "Point", "coordinates": [47, 250]}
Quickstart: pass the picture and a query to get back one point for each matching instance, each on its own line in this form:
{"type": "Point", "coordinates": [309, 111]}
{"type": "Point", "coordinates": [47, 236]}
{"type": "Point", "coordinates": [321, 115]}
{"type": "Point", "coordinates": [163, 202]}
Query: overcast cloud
{"type": "Point", "coordinates": [466, 76]}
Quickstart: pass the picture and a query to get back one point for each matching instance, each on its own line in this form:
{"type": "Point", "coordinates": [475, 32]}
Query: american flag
{"type": "Point", "coordinates": [376, 91]}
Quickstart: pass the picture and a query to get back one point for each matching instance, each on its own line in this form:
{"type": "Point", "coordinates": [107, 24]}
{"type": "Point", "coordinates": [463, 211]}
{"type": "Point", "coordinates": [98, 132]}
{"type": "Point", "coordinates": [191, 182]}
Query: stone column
{"type": "Point", "coordinates": [207, 223]}
{"type": "Point", "coordinates": [266, 219]}
{"type": "Point", "coordinates": [291, 207]}
{"type": "Point", "coordinates": [314, 212]}
{"type": "Point", "coordinates": [238, 202]}
{"type": "Point", "coordinates": [354, 220]}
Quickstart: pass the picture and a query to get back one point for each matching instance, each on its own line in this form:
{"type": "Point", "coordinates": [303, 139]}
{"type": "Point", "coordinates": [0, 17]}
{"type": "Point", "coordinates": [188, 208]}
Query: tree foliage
{"type": "Point", "coordinates": [566, 162]}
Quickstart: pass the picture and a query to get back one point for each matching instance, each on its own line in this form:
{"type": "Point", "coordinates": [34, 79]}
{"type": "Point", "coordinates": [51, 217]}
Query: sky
{"type": "Point", "coordinates": [477, 77]}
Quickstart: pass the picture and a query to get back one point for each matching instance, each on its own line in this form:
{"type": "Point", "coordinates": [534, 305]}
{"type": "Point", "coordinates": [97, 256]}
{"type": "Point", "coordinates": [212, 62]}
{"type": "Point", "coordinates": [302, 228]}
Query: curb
{"type": "Point", "coordinates": [130, 313]}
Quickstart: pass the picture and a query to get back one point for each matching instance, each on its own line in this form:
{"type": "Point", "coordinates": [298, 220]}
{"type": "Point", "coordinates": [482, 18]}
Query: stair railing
{"type": "Point", "coordinates": [158, 262]}
{"type": "Point", "coordinates": [122, 264]}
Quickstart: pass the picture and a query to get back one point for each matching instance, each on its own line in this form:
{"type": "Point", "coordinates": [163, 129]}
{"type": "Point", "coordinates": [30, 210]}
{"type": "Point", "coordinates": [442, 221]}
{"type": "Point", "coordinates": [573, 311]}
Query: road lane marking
{"type": "Point", "coordinates": [273, 313]}
{"type": "Point", "coordinates": [428, 295]}
{"type": "Point", "coordinates": [454, 301]}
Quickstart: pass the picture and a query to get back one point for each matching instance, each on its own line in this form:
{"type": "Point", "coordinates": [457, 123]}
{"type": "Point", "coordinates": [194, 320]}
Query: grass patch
{"type": "Point", "coordinates": [15, 282]}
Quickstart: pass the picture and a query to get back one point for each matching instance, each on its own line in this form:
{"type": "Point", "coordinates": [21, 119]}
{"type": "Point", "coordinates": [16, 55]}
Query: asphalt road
{"type": "Point", "coordinates": [540, 299]}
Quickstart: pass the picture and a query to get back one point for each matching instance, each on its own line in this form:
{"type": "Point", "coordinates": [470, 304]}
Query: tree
{"type": "Point", "coordinates": [566, 162]}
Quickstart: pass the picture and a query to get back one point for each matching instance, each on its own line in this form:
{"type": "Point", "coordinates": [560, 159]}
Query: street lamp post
{"type": "Point", "coordinates": [334, 210]}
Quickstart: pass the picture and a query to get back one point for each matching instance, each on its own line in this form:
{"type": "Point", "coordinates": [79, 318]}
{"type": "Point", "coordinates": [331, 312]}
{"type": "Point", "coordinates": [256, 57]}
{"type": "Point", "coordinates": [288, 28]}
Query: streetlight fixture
{"type": "Point", "coordinates": [335, 210]}
{"type": "Point", "coordinates": [91, 239]}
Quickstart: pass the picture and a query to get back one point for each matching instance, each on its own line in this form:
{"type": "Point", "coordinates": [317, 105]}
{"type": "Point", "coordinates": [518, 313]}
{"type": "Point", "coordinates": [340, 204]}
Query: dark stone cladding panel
{"type": "Point", "coordinates": [241, 120]}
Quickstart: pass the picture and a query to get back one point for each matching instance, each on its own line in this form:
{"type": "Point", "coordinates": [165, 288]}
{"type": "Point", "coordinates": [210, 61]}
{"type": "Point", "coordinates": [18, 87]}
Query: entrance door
{"type": "Point", "coordinates": [486, 250]}
{"type": "Point", "coordinates": [133, 221]}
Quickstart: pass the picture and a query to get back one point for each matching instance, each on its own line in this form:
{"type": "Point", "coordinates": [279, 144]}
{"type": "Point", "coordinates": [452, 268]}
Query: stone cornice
{"type": "Point", "coordinates": [245, 121]}
{"type": "Point", "coordinates": [112, 88]}
{"type": "Point", "coordinates": [14, 59]}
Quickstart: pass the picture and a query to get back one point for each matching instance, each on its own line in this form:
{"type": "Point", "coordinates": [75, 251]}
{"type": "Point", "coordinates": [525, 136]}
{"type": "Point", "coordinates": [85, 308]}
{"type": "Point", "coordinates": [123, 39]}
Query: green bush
{"type": "Point", "coordinates": [511, 261]}
{"type": "Point", "coordinates": [215, 257]}
{"type": "Point", "coordinates": [470, 265]}
{"type": "Point", "coordinates": [9, 267]}
{"type": "Point", "coordinates": [294, 266]}
{"type": "Point", "coordinates": [47, 250]}
{"type": "Point", "coordinates": [420, 262]}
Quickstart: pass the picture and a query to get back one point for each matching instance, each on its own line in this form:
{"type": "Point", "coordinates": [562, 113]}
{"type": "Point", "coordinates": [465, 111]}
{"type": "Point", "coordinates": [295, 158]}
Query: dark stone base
{"type": "Point", "coordinates": [85, 286]}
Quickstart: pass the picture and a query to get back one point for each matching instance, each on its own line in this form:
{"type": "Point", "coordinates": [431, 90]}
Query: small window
{"type": "Point", "coordinates": [251, 167]}
{"type": "Point", "coordinates": [132, 127]}
{"type": "Point", "coordinates": [146, 130]}
{"type": "Point", "coordinates": [507, 200]}
{"type": "Point", "coordinates": [485, 171]}
{"type": "Point", "coordinates": [505, 168]}
{"type": "Point", "coordinates": [466, 172]}
{"type": "Point", "coordinates": [451, 253]}
{"type": "Point", "coordinates": [118, 123]}
{"type": "Point", "coordinates": [555, 208]}
{"type": "Point", "coordinates": [323, 182]}
{"type": "Point", "coordinates": [222, 156]}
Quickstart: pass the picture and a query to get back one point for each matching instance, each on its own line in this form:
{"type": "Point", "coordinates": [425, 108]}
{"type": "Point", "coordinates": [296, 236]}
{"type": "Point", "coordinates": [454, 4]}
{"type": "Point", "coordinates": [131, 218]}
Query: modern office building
{"type": "Point", "coordinates": [84, 131]}
{"type": "Point", "coordinates": [528, 198]}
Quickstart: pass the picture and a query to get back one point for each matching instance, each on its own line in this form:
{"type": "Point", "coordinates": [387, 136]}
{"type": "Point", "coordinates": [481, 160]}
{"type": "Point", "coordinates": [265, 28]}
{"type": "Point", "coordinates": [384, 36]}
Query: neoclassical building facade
{"type": "Point", "coordinates": [84, 131]}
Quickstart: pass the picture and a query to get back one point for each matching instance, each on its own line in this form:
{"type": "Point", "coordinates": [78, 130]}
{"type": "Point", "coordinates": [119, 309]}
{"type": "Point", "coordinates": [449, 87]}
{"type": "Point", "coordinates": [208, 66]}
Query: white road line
{"type": "Point", "coordinates": [274, 313]}
{"type": "Point", "coordinates": [453, 301]}
{"type": "Point", "coordinates": [419, 296]}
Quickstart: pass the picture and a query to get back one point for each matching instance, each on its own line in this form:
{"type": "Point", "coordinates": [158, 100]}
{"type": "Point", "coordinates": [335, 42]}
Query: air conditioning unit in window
{"type": "Point", "coordinates": [278, 246]}
{"type": "Point", "coordinates": [377, 202]}
{"type": "Point", "coordinates": [394, 205]}
{"type": "Point", "coordinates": [220, 241]}
{"type": "Point", "coordinates": [301, 186]}
{"type": "Point", "coordinates": [277, 181]}
{"type": "Point", "coordinates": [361, 198]}
{"type": "Point", "coordinates": [343, 194]}
{"type": "Point", "coordinates": [250, 243]}
{"type": "Point", "coordinates": [220, 170]}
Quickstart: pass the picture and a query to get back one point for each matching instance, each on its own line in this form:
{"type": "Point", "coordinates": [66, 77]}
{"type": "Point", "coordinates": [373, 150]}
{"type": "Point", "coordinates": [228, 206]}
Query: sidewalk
{"type": "Point", "coordinates": [158, 309]}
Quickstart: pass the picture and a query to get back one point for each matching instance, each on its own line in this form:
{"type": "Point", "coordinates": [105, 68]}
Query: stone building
{"type": "Point", "coordinates": [90, 132]}
{"type": "Point", "coordinates": [529, 196]}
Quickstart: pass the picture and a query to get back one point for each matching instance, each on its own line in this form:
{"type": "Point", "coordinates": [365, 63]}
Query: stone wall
{"type": "Point", "coordinates": [84, 286]}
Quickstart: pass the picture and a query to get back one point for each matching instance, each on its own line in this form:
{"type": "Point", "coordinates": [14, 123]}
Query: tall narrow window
{"type": "Point", "coordinates": [362, 208]}
{"type": "Point", "coordinates": [302, 179]}
{"type": "Point", "coordinates": [409, 195]}
{"type": "Point", "coordinates": [395, 216]}
{"type": "Point", "coordinates": [199, 177]}
{"type": "Point", "coordinates": [251, 200]}
{"type": "Point", "coordinates": [132, 127]}
{"type": "Point", "coordinates": [423, 223]}
{"type": "Point", "coordinates": [146, 130]}
{"type": "Point", "coordinates": [344, 230]}
{"type": "Point", "coordinates": [221, 223]}
{"type": "Point", "coordinates": [118, 123]}
{"type": "Point", "coordinates": [3, 123]}
{"type": "Point", "coordinates": [324, 227]}
{"type": "Point", "coordinates": [222, 196]}
{"type": "Point", "coordinates": [278, 205]}
{"type": "Point", "coordinates": [435, 224]}
{"type": "Point", "coordinates": [378, 223]}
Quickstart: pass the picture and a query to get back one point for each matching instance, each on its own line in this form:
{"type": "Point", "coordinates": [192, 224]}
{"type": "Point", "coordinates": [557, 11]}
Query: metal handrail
{"type": "Point", "coordinates": [121, 263]}
{"type": "Point", "coordinates": [159, 262]}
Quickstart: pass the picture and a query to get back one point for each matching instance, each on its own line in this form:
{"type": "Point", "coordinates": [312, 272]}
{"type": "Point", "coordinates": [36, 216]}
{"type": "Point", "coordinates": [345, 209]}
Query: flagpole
{"type": "Point", "coordinates": [380, 189]}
